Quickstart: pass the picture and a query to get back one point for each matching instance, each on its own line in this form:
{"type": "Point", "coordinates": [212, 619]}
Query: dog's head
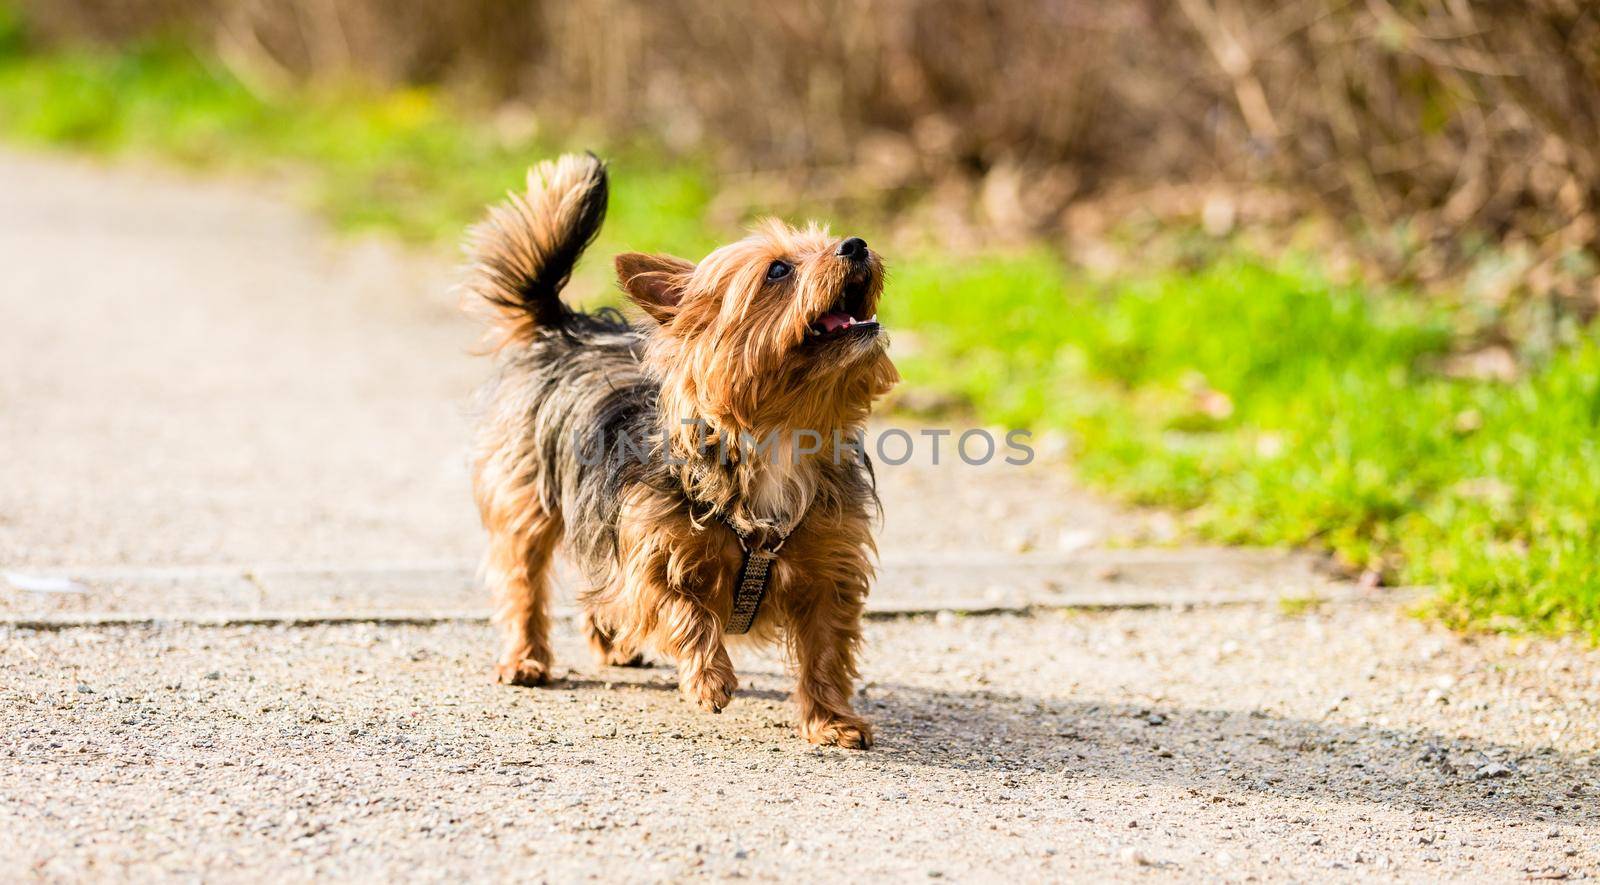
{"type": "Point", "coordinates": [778, 330]}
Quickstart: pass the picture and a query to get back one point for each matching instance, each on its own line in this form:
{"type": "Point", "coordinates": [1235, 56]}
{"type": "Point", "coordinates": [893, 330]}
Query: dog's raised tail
{"type": "Point", "coordinates": [522, 254]}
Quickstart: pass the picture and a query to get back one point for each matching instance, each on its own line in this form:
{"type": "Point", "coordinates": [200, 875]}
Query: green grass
{"type": "Point", "coordinates": [1276, 408]}
{"type": "Point", "coordinates": [1269, 405]}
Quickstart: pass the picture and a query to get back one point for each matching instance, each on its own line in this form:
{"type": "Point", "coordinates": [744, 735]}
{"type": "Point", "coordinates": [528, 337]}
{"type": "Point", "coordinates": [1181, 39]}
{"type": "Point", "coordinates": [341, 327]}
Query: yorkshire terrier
{"type": "Point", "coordinates": [690, 463]}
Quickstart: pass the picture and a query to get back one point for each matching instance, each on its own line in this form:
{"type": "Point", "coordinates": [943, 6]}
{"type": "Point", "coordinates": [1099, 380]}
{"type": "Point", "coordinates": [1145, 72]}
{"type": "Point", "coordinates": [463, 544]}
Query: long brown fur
{"type": "Point", "coordinates": [725, 356]}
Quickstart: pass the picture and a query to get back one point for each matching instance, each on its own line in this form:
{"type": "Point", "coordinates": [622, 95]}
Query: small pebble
{"type": "Point", "coordinates": [1136, 857]}
{"type": "Point", "coordinates": [1493, 769]}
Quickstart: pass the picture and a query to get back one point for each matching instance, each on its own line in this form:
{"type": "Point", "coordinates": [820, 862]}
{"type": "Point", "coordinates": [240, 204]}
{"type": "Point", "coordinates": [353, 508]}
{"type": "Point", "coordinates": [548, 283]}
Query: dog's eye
{"type": "Point", "coordinates": [777, 270]}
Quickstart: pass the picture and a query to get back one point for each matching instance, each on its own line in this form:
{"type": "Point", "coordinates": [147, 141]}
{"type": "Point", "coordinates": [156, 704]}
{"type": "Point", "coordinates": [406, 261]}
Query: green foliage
{"type": "Point", "coordinates": [1272, 406]}
{"type": "Point", "coordinates": [12, 37]}
{"type": "Point", "coordinates": [399, 161]}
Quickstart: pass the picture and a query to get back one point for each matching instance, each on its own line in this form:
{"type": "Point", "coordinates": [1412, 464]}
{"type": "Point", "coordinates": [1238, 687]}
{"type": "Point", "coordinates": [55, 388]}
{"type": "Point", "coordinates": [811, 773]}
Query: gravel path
{"type": "Point", "coordinates": [1220, 744]}
{"type": "Point", "coordinates": [211, 409]}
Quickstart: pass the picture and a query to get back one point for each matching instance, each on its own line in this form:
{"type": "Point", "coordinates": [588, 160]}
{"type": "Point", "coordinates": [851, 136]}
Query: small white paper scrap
{"type": "Point", "coordinates": [44, 583]}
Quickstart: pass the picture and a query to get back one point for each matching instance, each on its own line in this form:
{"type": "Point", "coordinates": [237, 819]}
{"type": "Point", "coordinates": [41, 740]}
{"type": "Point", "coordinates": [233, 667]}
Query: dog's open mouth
{"type": "Point", "coordinates": [844, 316]}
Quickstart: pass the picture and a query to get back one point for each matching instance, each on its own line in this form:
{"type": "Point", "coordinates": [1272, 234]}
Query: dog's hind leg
{"type": "Point", "coordinates": [608, 651]}
{"type": "Point", "coordinates": [516, 566]}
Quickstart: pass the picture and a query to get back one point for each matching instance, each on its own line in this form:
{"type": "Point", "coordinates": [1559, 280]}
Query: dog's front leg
{"type": "Point", "coordinates": [692, 636]}
{"type": "Point", "coordinates": [824, 636]}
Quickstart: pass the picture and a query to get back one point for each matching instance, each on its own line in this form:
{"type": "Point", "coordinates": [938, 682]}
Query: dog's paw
{"type": "Point", "coordinates": [708, 690]}
{"type": "Point", "coordinates": [618, 658]}
{"type": "Point", "coordinates": [840, 731]}
{"type": "Point", "coordinates": [522, 671]}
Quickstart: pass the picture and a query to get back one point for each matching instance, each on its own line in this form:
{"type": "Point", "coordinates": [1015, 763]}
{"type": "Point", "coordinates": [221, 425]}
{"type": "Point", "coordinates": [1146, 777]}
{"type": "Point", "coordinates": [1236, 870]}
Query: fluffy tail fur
{"type": "Point", "coordinates": [523, 253]}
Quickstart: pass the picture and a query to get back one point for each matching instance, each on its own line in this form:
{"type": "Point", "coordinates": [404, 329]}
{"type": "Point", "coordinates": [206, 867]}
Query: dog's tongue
{"type": "Point", "coordinates": [834, 320]}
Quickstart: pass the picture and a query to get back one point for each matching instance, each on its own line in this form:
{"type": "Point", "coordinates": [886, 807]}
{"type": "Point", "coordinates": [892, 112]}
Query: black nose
{"type": "Point", "coordinates": [854, 249]}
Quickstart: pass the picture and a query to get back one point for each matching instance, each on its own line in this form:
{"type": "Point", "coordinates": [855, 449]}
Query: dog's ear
{"type": "Point", "coordinates": [654, 282]}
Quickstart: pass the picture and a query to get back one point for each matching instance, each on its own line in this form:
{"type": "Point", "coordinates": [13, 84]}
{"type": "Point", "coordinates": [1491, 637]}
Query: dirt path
{"type": "Point", "coordinates": [210, 414]}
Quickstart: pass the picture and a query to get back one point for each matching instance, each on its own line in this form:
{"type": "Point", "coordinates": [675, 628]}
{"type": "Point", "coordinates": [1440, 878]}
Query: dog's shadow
{"type": "Point", "coordinates": [1226, 753]}
{"type": "Point", "coordinates": [1219, 753]}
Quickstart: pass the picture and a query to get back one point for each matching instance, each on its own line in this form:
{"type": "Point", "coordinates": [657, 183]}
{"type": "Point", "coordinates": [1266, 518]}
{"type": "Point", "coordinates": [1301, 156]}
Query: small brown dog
{"type": "Point", "coordinates": [698, 466]}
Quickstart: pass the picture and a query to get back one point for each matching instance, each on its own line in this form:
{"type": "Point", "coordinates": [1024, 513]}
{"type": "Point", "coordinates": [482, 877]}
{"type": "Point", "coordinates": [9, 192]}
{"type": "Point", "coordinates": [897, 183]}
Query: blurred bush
{"type": "Point", "coordinates": [1443, 127]}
